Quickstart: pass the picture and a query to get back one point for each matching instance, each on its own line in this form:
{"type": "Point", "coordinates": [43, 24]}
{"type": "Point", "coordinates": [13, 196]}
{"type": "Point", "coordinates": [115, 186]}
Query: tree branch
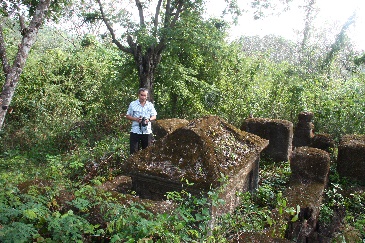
{"type": "Point", "coordinates": [156, 15]}
{"type": "Point", "coordinates": [168, 23]}
{"type": "Point", "coordinates": [23, 28]}
{"type": "Point", "coordinates": [179, 9]}
{"type": "Point", "coordinates": [167, 14]}
{"type": "Point", "coordinates": [309, 17]}
{"type": "Point", "coordinates": [105, 20]}
{"type": "Point", "coordinates": [339, 42]}
{"type": "Point", "coordinates": [140, 12]}
{"type": "Point", "coordinates": [3, 56]}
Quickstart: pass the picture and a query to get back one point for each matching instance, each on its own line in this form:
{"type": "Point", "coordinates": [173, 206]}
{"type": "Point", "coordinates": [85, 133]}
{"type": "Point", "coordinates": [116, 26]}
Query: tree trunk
{"type": "Point", "coordinates": [174, 100]}
{"type": "Point", "coordinates": [12, 74]}
{"type": "Point", "coordinates": [146, 66]}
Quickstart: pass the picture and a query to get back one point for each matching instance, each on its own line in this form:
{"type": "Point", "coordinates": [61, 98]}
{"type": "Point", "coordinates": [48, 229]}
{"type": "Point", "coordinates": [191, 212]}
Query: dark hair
{"type": "Point", "coordinates": [142, 90]}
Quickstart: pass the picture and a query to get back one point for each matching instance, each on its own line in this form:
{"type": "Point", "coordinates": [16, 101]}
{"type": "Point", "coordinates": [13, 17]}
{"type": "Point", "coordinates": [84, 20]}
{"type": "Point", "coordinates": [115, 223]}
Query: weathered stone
{"type": "Point", "coordinates": [351, 157]}
{"type": "Point", "coordinates": [305, 117]}
{"type": "Point", "coordinates": [303, 131]}
{"type": "Point", "coordinates": [203, 152]}
{"type": "Point", "coordinates": [310, 169]}
{"type": "Point", "coordinates": [324, 142]}
{"type": "Point", "coordinates": [161, 128]}
{"type": "Point", "coordinates": [309, 197]}
{"type": "Point", "coordinates": [310, 165]}
{"type": "Point", "coordinates": [278, 132]}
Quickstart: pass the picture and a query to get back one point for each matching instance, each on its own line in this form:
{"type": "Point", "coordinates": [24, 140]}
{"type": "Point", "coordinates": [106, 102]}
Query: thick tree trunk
{"type": "Point", "coordinates": [147, 62]}
{"type": "Point", "coordinates": [12, 74]}
{"type": "Point", "coordinates": [146, 66]}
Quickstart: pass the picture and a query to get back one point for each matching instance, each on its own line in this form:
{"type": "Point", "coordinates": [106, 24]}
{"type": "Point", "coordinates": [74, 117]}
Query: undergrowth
{"type": "Point", "coordinates": [49, 200]}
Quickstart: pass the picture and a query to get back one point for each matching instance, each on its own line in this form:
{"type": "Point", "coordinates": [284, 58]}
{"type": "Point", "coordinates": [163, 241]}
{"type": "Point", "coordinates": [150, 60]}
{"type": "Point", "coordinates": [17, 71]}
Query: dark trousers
{"type": "Point", "coordinates": [139, 141]}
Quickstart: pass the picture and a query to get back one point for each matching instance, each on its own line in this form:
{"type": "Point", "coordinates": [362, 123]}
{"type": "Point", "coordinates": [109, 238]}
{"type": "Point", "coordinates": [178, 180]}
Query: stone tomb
{"type": "Point", "coordinates": [303, 131]}
{"type": "Point", "coordinates": [309, 178]}
{"type": "Point", "coordinates": [278, 132]}
{"type": "Point", "coordinates": [201, 153]}
{"type": "Point", "coordinates": [161, 128]}
{"type": "Point", "coordinates": [323, 141]}
{"type": "Point", "coordinates": [351, 157]}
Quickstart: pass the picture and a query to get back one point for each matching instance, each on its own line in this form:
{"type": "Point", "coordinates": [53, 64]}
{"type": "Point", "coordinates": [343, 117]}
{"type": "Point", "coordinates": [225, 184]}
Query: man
{"type": "Point", "coordinates": [141, 112]}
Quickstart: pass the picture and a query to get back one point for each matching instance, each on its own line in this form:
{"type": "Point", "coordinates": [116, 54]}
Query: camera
{"type": "Point", "coordinates": [144, 122]}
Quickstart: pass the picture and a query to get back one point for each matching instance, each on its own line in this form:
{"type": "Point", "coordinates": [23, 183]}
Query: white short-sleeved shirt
{"type": "Point", "coordinates": [135, 109]}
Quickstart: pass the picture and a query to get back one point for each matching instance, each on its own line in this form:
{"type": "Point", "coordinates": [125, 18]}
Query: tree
{"type": "Point", "coordinates": [147, 39]}
{"type": "Point", "coordinates": [338, 44]}
{"type": "Point", "coordinates": [147, 43]}
{"type": "Point", "coordinates": [310, 14]}
{"type": "Point", "coordinates": [192, 63]}
{"type": "Point", "coordinates": [38, 11]}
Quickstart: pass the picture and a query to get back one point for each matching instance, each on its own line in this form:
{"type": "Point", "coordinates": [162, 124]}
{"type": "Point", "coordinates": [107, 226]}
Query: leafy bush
{"type": "Point", "coordinates": [69, 227]}
{"type": "Point", "coordinates": [18, 232]}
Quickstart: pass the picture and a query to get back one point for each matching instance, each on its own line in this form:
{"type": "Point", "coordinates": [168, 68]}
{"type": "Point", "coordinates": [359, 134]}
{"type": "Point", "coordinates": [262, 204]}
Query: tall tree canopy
{"type": "Point", "coordinates": [147, 38]}
{"type": "Point", "coordinates": [148, 35]}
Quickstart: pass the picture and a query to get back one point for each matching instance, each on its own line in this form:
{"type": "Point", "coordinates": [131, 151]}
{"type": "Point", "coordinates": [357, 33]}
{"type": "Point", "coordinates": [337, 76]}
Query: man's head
{"type": "Point", "coordinates": [142, 95]}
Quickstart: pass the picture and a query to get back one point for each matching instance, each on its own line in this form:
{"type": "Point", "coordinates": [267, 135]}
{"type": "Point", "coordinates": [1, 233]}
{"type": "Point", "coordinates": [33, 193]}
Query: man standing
{"type": "Point", "coordinates": [141, 112]}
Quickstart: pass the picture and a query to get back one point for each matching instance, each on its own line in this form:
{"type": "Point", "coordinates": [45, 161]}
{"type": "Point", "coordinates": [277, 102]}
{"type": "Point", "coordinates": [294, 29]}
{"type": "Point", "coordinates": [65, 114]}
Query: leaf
{"type": "Point", "coordinates": [179, 226]}
{"type": "Point", "coordinates": [295, 218]}
{"type": "Point", "coordinates": [30, 214]}
{"type": "Point", "coordinates": [290, 211]}
{"type": "Point", "coordinates": [199, 217]}
{"type": "Point", "coordinates": [269, 220]}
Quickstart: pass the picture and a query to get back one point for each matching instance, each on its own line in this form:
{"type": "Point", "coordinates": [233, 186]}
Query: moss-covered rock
{"type": "Point", "coordinates": [203, 152]}
{"type": "Point", "coordinates": [161, 128]}
{"type": "Point", "coordinates": [323, 141]}
{"type": "Point", "coordinates": [351, 158]}
{"type": "Point", "coordinates": [303, 130]}
{"type": "Point", "coordinates": [310, 165]}
{"type": "Point", "coordinates": [309, 178]}
{"type": "Point", "coordinates": [278, 132]}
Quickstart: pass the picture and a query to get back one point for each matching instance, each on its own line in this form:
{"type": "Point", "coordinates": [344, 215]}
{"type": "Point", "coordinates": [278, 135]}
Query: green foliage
{"type": "Point", "coordinates": [344, 200]}
{"type": "Point", "coordinates": [187, 222]}
{"type": "Point", "coordinates": [248, 217]}
{"type": "Point", "coordinates": [186, 74]}
{"type": "Point", "coordinates": [18, 232]}
{"type": "Point", "coordinates": [91, 17]}
{"type": "Point", "coordinates": [359, 60]}
{"type": "Point", "coordinates": [69, 227]}
{"type": "Point", "coordinates": [25, 215]}
{"type": "Point", "coordinates": [133, 223]}
{"type": "Point", "coordinates": [63, 88]}
{"type": "Point", "coordinates": [274, 175]}
{"type": "Point", "coordinates": [67, 116]}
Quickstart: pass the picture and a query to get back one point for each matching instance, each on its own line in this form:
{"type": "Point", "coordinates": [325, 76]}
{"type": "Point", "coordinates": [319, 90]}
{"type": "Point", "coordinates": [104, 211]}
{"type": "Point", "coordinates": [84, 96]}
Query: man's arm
{"type": "Point", "coordinates": [131, 118]}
